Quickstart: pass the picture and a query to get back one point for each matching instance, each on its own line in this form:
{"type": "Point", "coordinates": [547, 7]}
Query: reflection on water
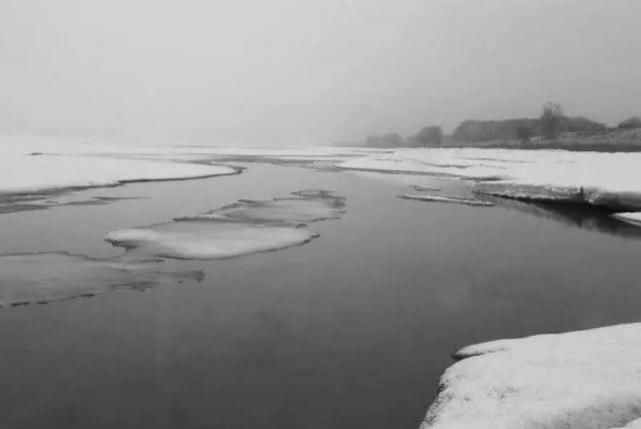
{"type": "Point", "coordinates": [577, 215]}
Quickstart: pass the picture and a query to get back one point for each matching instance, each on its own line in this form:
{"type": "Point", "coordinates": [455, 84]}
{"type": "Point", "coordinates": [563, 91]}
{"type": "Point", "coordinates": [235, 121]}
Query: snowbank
{"type": "Point", "coordinates": [633, 218]}
{"type": "Point", "coordinates": [611, 180]}
{"type": "Point", "coordinates": [34, 174]}
{"type": "Point", "coordinates": [584, 379]}
{"type": "Point", "coordinates": [20, 173]}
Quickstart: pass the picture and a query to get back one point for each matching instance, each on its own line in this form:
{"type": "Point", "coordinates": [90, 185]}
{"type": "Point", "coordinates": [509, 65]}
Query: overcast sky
{"type": "Point", "coordinates": [308, 71]}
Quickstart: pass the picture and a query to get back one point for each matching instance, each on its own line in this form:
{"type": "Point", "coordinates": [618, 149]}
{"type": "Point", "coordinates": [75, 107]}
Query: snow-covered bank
{"type": "Point", "coordinates": [633, 218]}
{"type": "Point", "coordinates": [584, 379]}
{"type": "Point", "coordinates": [611, 180]}
{"type": "Point", "coordinates": [20, 173]}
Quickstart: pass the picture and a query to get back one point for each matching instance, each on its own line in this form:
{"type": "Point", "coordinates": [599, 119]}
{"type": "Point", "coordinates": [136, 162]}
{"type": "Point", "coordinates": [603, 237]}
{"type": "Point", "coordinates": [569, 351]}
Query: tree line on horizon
{"type": "Point", "coordinates": [548, 126]}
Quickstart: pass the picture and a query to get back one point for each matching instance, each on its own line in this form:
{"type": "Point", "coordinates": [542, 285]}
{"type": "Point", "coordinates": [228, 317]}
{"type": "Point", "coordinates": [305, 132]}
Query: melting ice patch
{"type": "Point", "coordinates": [310, 205]}
{"type": "Point", "coordinates": [241, 228]}
{"type": "Point", "coordinates": [42, 201]}
{"type": "Point", "coordinates": [44, 277]}
{"type": "Point", "coordinates": [208, 239]}
{"type": "Point", "coordinates": [237, 229]}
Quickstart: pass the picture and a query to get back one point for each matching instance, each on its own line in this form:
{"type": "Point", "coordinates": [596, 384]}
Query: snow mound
{"type": "Point", "coordinates": [27, 278]}
{"type": "Point", "coordinates": [583, 379]}
{"type": "Point", "coordinates": [443, 199]}
{"type": "Point", "coordinates": [241, 228]}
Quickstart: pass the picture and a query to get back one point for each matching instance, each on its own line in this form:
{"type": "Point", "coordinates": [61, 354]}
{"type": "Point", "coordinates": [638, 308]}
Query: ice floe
{"type": "Point", "coordinates": [208, 239]}
{"type": "Point", "coordinates": [27, 278]}
{"type": "Point", "coordinates": [423, 188]}
{"type": "Point", "coordinates": [445, 199]}
{"type": "Point", "coordinates": [303, 206]}
{"type": "Point", "coordinates": [241, 228]}
{"type": "Point", "coordinates": [583, 379]}
{"type": "Point", "coordinates": [610, 180]}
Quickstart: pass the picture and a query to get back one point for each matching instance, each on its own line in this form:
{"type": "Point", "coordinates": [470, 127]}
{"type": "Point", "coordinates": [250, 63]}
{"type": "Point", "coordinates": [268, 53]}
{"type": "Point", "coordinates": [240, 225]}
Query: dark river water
{"type": "Point", "coordinates": [349, 331]}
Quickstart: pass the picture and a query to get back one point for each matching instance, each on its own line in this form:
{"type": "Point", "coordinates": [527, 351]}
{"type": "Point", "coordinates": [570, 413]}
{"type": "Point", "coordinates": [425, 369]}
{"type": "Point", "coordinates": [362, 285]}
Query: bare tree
{"type": "Point", "coordinates": [551, 119]}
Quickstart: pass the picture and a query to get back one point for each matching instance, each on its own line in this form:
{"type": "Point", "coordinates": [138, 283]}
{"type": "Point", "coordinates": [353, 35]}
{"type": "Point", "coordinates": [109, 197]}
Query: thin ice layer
{"type": "Point", "coordinates": [445, 199]}
{"type": "Point", "coordinates": [584, 379]}
{"type": "Point", "coordinates": [304, 206]}
{"type": "Point", "coordinates": [208, 239]}
{"type": "Point", "coordinates": [43, 277]}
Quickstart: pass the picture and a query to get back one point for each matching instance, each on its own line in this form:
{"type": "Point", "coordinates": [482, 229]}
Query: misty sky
{"type": "Point", "coordinates": [303, 71]}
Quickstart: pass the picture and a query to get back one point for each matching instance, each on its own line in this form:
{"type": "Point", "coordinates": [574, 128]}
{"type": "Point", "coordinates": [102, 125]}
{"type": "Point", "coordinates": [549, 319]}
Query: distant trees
{"type": "Point", "coordinates": [550, 125]}
{"type": "Point", "coordinates": [550, 120]}
{"type": "Point", "coordinates": [524, 133]}
{"type": "Point", "coordinates": [429, 136]}
{"type": "Point", "coordinates": [507, 129]}
{"type": "Point", "coordinates": [630, 123]}
{"type": "Point", "coordinates": [580, 124]}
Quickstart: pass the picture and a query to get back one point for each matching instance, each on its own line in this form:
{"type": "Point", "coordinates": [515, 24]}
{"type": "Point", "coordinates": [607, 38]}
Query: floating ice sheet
{"type": "Point", "coordinates": [240, 228]}
{"type": "Point", "coordinates": [584, 379]}
{"type": "Point", "coordinates": [303, 206]}
{"type": "Point", "coordinates": [444, 199]}
{"type": "Point", "coordinates": [208, 239]}
{"type": "Point", "coordinates": [423, 188]}
{"type": "Point", "coordinates": [44, 277]}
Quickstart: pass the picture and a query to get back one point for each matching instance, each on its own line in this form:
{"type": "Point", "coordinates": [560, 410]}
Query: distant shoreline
{"type": "Point", "coordinates": [609, 140]}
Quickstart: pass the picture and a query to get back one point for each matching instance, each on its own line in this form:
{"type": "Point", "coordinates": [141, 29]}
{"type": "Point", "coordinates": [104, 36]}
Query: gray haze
{"type": "Point", "coordinates": [316, 71]}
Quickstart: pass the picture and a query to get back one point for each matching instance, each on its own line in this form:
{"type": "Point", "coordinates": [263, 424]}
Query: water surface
{"type": "Point", "coordinates": [351, 330]}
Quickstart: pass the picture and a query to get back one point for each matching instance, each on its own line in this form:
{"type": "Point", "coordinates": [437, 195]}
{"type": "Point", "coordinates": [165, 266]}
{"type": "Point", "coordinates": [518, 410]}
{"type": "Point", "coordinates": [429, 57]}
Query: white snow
{"type": "Point", "coordinates": [21, 172]}
{"type": "Point", "coordinates": [630, 217]}
{"type": "Point", "coordinates": [583, 379]}
{"type": "Point", "coordinates": [607, 179]}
